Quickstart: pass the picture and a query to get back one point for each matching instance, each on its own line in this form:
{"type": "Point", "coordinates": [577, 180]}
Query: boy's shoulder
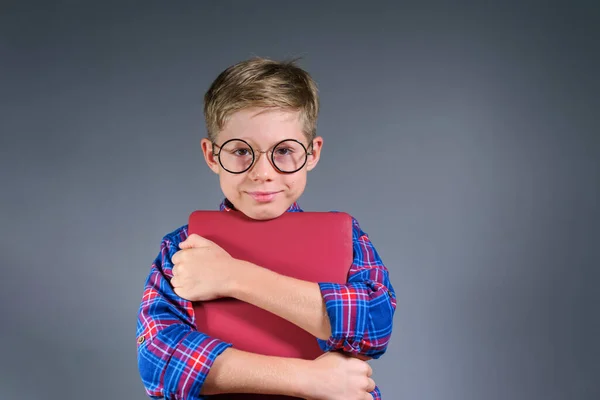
{"type": "Point", "coordinates": [355, 223]}
{"type": "Point", "coordinates": [175, 237]}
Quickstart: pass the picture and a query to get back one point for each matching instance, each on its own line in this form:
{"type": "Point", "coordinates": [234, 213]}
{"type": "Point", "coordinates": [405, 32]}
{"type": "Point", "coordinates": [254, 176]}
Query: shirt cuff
{"type": "Point", "coordinates": [348, 308]}
{"type": "Point", "coordinates": [190, 363]}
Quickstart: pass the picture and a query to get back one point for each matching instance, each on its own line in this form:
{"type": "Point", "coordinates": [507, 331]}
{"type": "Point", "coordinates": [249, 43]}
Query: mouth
{"type": "Point", "coordinates": [263, 197]}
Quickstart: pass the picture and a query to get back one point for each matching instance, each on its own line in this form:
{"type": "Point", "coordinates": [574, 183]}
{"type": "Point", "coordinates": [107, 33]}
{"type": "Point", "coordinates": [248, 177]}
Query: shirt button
{"type": "Point", "coordinates": [141, 339]}
{"type": "Point", "coordinates": [389, 292]}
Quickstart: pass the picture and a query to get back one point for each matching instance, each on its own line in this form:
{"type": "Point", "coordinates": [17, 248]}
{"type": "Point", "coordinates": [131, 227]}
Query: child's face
{"type": "Point", "coordinates": [262, 191]}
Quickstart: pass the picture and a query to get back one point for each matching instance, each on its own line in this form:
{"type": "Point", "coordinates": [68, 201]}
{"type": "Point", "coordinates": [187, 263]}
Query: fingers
{"type": "Point", "coordinates": [365, 367]}
{"type": "Point", "coordinates": [375, 394]}
{"type": "Point", "coordinates": [194, 240]}
{"type": "Point", "coordinates": [179, 289]}
{"type": "Point", "coordinates": [182, 293]}
{"type": "Point", "coordinates": [179, 256]}
{"type": "Point", "coordinates": [182, 254]}
{"type": "Point", "coordinates": [370, 385]}
{"type": "Point", "coordinates": [364, 358]}
{"type": "Point", "coordinates": [175, 258]}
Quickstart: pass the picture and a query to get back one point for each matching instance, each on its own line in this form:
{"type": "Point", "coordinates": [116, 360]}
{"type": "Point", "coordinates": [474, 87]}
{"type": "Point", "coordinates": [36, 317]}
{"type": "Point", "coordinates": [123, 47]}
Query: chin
{"type": "Point", "coordinates": [264, 211]}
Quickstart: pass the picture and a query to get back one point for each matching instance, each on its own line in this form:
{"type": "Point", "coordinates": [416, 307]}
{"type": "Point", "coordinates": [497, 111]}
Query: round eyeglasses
{"type": "Point", "coordinates": [236, 156]}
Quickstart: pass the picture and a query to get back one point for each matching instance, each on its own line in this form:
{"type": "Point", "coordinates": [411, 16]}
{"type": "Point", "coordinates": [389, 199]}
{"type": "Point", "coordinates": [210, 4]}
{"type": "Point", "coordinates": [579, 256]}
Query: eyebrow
{"type": "Point", "coordinates": [254, 144]}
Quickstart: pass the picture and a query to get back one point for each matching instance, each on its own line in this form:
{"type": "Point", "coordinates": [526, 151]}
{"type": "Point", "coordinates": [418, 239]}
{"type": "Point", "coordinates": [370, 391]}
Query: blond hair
{"type": "Point", "coordinates": [262, 83]}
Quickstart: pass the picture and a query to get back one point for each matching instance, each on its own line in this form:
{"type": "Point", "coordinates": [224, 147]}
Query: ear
{"type": "Point", "coordinates": [209, 157]}
{"type": "Point", "coordinates": [313, 158]}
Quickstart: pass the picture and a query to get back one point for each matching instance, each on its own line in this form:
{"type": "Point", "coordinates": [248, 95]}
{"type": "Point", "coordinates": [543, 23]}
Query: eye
{"type": "Point", "coordinates": [283, 151]}
{"type": "Point", "coordinates": [241, 152]}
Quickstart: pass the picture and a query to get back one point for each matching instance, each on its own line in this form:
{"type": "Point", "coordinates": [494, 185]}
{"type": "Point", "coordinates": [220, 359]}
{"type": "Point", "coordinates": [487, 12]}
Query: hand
{"type": "Point", "coordinates": [337, 376]}
{"type": "Point", "coordinates": [202, 270]}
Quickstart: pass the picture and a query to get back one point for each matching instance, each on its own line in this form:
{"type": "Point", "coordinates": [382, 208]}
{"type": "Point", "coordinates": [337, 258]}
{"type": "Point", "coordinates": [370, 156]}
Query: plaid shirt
{"type": "Point", "coordinates": [174, 358]}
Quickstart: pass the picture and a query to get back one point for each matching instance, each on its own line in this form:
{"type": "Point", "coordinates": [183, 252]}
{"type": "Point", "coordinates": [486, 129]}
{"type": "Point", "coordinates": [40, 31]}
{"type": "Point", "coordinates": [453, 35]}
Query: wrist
{"type": "Point", "coordinates": [304, 382]}
{"type": "Point", "coordinates": [241, 281]}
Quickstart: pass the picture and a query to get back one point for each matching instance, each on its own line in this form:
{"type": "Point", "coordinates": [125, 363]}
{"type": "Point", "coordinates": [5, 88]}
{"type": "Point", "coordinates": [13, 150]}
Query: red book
{"type": "Point", "coordinates": [312, 246]}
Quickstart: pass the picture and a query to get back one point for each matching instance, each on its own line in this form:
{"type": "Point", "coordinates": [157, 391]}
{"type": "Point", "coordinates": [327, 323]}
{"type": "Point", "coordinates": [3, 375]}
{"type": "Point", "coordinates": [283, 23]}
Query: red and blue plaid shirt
{"type": "Point", "coordinates": [174, 358]}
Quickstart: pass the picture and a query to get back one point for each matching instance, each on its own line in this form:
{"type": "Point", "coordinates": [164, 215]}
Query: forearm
{"type": "Point", "coordinates": [236, 371]}
{"type": "Point", "coordinates": [294, 300]}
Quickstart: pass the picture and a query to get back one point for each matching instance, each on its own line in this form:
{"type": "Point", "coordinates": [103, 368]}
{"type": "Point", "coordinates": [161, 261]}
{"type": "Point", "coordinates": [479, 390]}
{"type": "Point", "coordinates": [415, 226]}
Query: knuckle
{"type": "Point", "coordinates": [363, 383]}
{"type": "Point", "coordinates": [371, 386]}
{"type": "Point", "coordinates": [361, 365]}
{"type": "Point", "coordinates": [356, 365]}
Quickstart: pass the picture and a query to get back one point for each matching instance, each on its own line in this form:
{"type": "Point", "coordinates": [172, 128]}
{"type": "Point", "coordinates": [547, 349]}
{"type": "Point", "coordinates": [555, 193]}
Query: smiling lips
{"type": "Point", "coordinates": [263, 197]}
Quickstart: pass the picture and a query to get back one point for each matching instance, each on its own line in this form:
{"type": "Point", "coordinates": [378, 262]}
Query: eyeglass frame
{"type": "Point", "coordinates": [254, 158]}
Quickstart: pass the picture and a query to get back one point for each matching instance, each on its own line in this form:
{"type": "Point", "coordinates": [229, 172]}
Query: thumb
{"type": "Point", "coordinates": [193, 241]}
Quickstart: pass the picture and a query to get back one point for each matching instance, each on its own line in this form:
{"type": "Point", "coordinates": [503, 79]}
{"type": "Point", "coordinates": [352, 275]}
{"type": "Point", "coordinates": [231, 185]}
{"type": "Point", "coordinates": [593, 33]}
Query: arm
{"type": "Point", "coordinates": [176, 361]}
{"type": "Point", "coordinates": [173, 357]}
{"type": "Point", "coordinates": [295, 300]}
{"type": "Point", "coordinates": [237, 371]}
{"type": "Point", "coordinates": [355, 317]}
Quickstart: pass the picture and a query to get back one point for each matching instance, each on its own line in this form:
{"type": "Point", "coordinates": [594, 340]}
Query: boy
{"type": "Point", "coordinates": [261, 122]}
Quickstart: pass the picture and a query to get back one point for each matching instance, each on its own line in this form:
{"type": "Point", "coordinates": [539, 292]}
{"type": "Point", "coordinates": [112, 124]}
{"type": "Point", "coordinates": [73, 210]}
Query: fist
{"type": "Point", "coordinates": [338, 376]}
{"type": "Point", "coordinates": [202, 270]}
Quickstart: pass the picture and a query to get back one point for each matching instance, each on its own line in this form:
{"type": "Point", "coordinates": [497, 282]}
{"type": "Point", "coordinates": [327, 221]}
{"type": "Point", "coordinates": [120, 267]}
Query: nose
{"type": "Point", "coordinates": [262, 170]}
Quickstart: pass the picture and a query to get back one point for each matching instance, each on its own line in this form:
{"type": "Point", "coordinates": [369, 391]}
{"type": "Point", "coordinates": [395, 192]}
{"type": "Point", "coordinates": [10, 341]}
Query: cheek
{"type": "Point", "coordinates": [229, 183]}
{"type": "Point", "coordinates": [296, 183]}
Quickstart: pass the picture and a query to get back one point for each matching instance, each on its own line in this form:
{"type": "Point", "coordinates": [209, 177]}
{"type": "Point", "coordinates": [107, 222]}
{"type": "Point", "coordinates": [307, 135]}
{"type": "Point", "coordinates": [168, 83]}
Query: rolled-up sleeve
{"type": "Point", "coordinates": [173, 357]}
{"type": "Point", "coordinates": [361, 311]}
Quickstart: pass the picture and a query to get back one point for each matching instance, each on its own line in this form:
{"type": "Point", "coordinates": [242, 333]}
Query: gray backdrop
{"type": "Point", "coordinates": [463, 137]}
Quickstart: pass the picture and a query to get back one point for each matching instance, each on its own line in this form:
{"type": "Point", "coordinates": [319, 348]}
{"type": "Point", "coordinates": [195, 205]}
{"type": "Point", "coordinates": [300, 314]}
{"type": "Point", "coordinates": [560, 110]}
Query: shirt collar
{"type": "Point", "coordinates": [226, 205]}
